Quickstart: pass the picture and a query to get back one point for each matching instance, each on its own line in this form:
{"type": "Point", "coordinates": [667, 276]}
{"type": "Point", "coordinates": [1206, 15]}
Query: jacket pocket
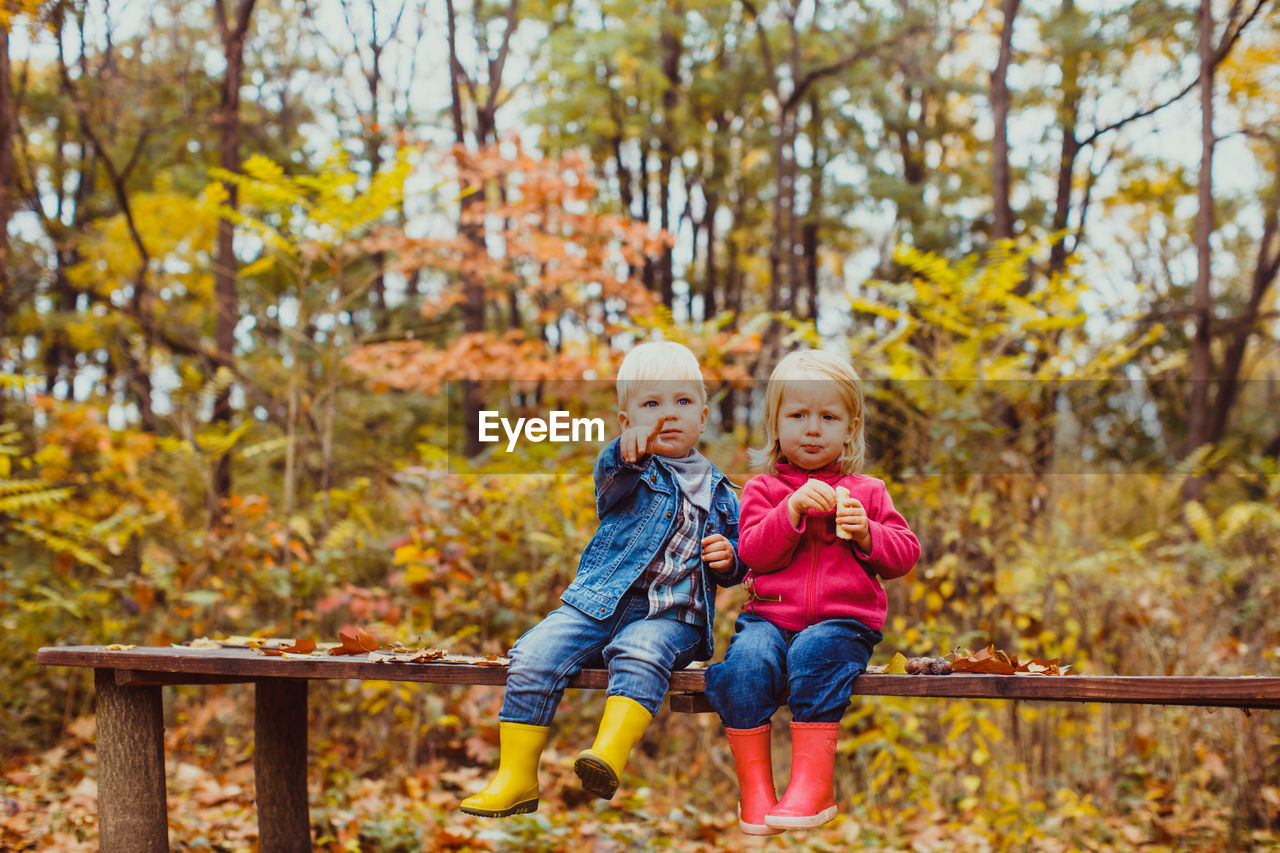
{"type": "Point", "coordinates": [724, 520]}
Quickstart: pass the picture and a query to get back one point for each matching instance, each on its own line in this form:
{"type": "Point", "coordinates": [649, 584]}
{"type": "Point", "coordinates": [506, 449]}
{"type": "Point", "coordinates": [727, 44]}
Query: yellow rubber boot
{"type": "Point", "coordinates": [514, 790]}
{"type": "Point", "coordinates": [600, 767]}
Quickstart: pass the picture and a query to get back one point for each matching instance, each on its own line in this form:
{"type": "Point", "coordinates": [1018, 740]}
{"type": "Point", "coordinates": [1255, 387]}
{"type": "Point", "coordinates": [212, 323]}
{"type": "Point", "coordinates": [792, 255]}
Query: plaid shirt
{"type": "Point", "coordinates": [673, 580]}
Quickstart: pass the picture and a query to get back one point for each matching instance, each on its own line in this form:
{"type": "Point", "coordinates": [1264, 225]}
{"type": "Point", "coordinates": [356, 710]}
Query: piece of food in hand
{"type": "Point", "coordinates": [842, 500]}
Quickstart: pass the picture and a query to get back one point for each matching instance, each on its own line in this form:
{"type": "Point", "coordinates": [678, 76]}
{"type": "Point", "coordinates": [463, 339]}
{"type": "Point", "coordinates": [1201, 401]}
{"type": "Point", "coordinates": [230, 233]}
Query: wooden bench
{"type": "Point", "coordinates": [132, 808]}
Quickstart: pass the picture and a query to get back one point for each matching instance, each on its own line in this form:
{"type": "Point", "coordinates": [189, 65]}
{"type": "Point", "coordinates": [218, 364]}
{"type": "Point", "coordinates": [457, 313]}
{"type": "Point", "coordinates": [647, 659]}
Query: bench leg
{"type": "Point", "coordinates": [133, 814]}
{"type": "Point", "coordinates": [280, 765]}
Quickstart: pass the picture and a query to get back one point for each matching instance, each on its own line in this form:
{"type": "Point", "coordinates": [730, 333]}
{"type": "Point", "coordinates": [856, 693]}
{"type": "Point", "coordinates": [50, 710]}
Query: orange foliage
{"type": "Point", "coordinates": [528, 237]}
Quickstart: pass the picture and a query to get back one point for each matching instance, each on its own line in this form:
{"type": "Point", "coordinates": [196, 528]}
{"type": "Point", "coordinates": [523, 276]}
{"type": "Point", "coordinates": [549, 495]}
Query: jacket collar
{"type": "Point", "coordinates": [794, 475]}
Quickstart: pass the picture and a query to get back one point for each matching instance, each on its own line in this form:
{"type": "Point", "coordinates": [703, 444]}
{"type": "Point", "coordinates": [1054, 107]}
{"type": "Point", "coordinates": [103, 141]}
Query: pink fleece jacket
{"type": "Point", "coordinates": [801, 576]}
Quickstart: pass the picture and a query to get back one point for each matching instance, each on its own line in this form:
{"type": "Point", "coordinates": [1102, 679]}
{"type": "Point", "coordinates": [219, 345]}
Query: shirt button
{"type": "Point", "coordinates": [668, 515]}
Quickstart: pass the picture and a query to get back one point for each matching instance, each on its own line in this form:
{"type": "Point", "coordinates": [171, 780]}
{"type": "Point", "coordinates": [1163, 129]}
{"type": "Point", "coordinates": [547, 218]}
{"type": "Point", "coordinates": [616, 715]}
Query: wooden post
{"type": "Point", "coordinates": [280, 765]}
{"type": "Point", "coordinates": [133, 814]}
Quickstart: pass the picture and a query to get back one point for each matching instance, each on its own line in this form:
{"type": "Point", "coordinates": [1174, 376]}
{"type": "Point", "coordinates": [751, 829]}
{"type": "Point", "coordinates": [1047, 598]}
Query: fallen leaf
{"type": "Point", "coordinates": [990, 660]}
{"type": "Point", "coordinates": [304, 646]}
{"type": "Point", "coordinates": [355, 641]}
{"type": "Point", "coordinates": [898, 665]}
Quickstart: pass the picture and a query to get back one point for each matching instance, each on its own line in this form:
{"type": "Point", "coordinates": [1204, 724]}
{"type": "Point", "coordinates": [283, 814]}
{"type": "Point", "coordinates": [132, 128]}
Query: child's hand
{"type": "Point", "coordinates": [717, 552]}
{"type": "Point", "coordinates": [813, 495]}
{"type": "Point", "coordinates": [639, 440]}
{"type": "Point", "coordinates": [852, 519]}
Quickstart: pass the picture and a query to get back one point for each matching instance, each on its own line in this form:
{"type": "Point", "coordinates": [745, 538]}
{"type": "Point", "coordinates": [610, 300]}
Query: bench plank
{"type": "Point", "coordinates": [176, 665]}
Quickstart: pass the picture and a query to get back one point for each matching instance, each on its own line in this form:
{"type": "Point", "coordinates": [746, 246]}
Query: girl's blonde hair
{"type": "Point", "coordinates": [811, 366]}
{"type": "Point", "coordinates": [656, 361]}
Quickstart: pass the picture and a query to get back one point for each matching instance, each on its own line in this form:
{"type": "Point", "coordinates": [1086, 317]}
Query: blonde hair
{"type": "Point", "coordinates": [810, 366]}
{"type": "Point", "coordinates": [655, 361]}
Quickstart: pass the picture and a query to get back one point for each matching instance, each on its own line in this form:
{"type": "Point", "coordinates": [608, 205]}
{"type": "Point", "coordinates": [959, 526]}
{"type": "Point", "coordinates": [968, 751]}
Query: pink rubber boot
{"type": "Point", "coordinates": [755, 778]}
{"type": "Point", "coordinates": [810, 799]}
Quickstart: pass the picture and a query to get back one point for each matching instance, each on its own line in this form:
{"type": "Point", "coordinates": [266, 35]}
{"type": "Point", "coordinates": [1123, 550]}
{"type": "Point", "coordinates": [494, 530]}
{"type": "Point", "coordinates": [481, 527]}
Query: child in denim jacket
{"type": "Point", "coordinates": [643, 601]}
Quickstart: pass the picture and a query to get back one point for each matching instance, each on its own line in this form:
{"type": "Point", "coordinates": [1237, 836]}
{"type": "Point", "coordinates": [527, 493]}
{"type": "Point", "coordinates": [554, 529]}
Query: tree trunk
{"type": "Point", "coordinates": [810, 233]}
{"type": "Point", "coordinates": [472, 290]}
{"type": "Point", "coordinates": [1198, 414]}
{"type": "Point", "coordinates": [1264, 275]}
{"type": "Point", "coordinates": [710, 304]}
{"type": "Point", "coordinates": [1000, 102]}
{"type": "Point", "coordinates": [648, 271]}
{"type": "Point", "coordinates": [226, 303]}
{"type": "Point", "coordinates": [666, 150]}
{"type": "Point", "coordinates": [485, 118]}
{"type": "Point", "coordinates": [1068, 116]}
{"type": "Point", "coordinates": [7, 130]}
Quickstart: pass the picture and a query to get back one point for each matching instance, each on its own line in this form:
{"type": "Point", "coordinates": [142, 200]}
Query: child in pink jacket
{"type": "Point", "coordinates": [816, 606]}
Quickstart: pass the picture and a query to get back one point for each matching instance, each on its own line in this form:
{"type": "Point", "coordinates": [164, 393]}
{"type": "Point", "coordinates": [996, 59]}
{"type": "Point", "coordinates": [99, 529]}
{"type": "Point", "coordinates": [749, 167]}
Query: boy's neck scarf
{"type": "Point", "coordinates": [693, 473]}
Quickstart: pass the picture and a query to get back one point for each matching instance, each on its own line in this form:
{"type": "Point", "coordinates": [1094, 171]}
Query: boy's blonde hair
{"type": "Point", "coordinates": [811, 366]}
{"type": "Point", "coordinates": [654, 361]}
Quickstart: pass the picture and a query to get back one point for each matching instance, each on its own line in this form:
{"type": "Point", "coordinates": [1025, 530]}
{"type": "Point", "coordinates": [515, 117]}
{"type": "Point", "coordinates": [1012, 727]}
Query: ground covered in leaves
{"type": "Point", "coordinates": [678, 798]}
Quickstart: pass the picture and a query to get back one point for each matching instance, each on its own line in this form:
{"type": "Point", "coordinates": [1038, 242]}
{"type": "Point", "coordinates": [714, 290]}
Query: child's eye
{"type": "Point", "coordinates": [649, 403]}
{"type": "Point", "coordinates": [684, 401]}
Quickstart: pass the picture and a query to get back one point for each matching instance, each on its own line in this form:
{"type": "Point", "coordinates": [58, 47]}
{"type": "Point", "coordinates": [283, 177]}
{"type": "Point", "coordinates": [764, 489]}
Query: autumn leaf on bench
{"type": "Point", "coordinates": [355, 641]}
{"type": "Point", "coordinates": [301, 647]}
{"type": "Point", "coordinates": [993, 661]}
{"type": "Point", "coordinates": [990, 661]}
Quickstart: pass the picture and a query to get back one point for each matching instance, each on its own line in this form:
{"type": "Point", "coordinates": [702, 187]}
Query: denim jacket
{"type": "Point", "coordinates": [637, 503]}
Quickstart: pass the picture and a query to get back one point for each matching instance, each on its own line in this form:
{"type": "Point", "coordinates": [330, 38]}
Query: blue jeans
{"type": "Point", "coordinates": [639, 653]}
{"type": "Point", "coordinates": [811, 670]}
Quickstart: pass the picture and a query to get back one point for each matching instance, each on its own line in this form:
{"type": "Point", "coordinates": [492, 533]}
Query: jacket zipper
{"type": "Point", "coordinates": [812, 584]}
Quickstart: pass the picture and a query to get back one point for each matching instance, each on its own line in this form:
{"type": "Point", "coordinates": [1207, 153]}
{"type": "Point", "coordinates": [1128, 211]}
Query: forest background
{"type": "Point", "coordinates": [254, 252]}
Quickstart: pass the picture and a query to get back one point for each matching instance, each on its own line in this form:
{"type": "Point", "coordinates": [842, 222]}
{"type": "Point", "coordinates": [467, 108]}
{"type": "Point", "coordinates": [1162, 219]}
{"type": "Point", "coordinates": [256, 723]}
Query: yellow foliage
{"type": "Point", "coordinates": [325, 209]}
{"type": "Point", "coordinates": [11, 9]}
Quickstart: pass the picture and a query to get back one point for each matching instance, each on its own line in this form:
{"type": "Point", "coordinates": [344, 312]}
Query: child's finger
{"type": "Point", "coordinates": [825, 490]}
{"type": "Point", "coordinates": [657, 426]}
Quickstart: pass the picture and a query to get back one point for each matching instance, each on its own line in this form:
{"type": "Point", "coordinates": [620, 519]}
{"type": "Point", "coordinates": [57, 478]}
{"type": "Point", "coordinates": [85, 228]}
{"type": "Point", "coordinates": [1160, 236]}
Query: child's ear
{"type": "Point", "coordinates": [702, 422]}
{"type": "Point", "coordinates": [623, 419]}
